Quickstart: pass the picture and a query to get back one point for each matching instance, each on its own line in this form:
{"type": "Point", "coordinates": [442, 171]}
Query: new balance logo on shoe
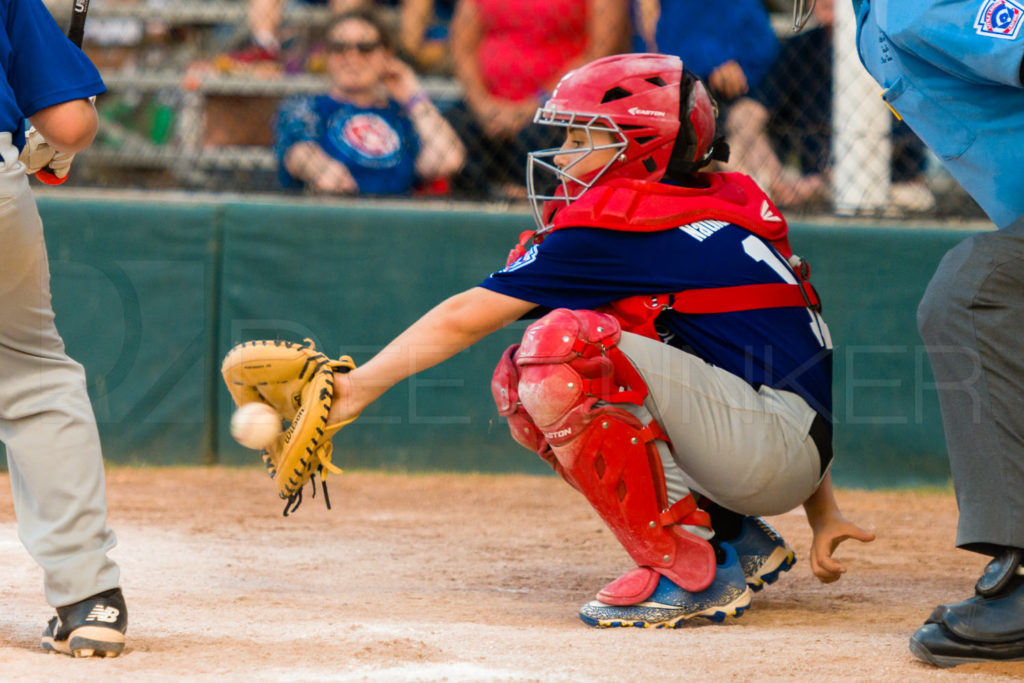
{"type": "Point", "coordinates": [107, 615]}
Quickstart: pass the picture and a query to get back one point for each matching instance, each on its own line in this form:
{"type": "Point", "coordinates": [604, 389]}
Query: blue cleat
{"type": "Point", "coordinates": [670, 606]}
{"type": "Point", "coordinates": [762, 552]}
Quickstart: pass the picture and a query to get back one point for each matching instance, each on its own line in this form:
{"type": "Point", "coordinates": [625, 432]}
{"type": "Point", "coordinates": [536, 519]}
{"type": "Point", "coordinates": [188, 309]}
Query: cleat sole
{"type": "Point", "coordinates": [717, 615]}
{"type": "Point", "coordinates": [88, 641]}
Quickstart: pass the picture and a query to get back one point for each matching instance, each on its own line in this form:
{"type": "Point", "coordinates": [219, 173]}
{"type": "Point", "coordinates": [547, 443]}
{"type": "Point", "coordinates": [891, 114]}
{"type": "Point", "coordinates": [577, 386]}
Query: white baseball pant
{"type": "Point", "coordinates": [46, 420]}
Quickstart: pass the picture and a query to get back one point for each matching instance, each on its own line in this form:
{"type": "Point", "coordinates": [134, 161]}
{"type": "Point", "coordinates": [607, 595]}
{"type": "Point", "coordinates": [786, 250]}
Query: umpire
{"type": "Point", "coordinates": [46, 420]}
{"type": "Point", "coordinates": [954, 70]}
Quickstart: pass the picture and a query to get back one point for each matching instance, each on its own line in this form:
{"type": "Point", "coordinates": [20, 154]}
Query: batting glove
{"type": "Point", "coordinates": [38, 154]}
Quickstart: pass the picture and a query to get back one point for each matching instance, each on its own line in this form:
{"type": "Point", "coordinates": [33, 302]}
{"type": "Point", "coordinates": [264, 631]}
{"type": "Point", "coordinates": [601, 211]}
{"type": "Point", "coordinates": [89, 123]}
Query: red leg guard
{"type": "Point", "coordinates": [567, 364]}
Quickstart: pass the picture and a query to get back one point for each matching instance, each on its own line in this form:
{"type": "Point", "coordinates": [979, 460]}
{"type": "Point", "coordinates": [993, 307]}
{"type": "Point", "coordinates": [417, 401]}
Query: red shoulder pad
{"type": "Point", "coordinates": [643, 206]}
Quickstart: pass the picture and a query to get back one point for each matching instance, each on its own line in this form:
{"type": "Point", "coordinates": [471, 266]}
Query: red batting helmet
{"type": "Point", "coordinates": [660, 114]}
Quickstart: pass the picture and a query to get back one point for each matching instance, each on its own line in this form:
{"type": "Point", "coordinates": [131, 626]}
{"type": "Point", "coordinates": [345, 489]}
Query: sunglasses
{"type": "Point", "coordinates": [364, 48]}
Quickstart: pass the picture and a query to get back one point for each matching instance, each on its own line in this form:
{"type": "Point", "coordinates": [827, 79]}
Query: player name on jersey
{"type": "Point", "coordinates": [701, 230]}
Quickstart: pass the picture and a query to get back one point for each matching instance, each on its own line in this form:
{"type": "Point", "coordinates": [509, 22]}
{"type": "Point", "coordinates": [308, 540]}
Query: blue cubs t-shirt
{"type": "Point", "coordinates": [378, 145]}
{"type": "Point", "coordinates": [583, 268]}
{"type": "Point", "coordinates": [41, 66]}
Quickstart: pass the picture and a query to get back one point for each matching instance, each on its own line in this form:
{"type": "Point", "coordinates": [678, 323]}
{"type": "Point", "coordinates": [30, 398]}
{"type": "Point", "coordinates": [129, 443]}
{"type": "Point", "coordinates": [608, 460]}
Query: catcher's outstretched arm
{"type": "Point", "coordinates": [449, 327]}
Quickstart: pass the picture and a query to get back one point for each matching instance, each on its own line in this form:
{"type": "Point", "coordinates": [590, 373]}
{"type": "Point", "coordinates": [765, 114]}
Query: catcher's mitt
{"type": "Point", "coordinates": [297, 381]}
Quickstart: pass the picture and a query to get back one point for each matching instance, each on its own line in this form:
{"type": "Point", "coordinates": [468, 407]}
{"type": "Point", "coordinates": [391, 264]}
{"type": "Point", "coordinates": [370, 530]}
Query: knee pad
{"type": "Point", "coordinates": [568, 361]}
{"type": "Point", "coordinates": [571, 375]}
{"type": "Point", "coordinates": [505, 390]}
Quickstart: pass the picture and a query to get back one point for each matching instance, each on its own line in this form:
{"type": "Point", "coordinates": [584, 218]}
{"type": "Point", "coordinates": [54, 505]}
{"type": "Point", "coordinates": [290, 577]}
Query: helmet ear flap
{"type": "Point", "coordinates": [695, 143]}
{"type": "Point", "coordinates": [702, 114]}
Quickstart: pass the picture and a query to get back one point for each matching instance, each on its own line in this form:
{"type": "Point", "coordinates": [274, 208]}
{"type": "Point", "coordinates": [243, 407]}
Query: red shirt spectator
{"type": "Point", "coordinates": [508, 54]}
{"type": "Point", "coordinates": [524, 45]}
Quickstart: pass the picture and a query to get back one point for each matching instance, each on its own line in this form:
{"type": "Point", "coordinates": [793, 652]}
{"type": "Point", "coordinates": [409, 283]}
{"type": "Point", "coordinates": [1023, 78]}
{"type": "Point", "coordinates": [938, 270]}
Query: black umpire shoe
{"type": "Point", "coordinates": [988, 627]}
{"type": "Point", "coordinates": [94, 626]}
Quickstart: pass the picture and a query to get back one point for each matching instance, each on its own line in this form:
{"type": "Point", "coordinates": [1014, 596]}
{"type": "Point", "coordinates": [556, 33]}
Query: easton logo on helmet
{"type": "Point", "coordinates": [635, 111]}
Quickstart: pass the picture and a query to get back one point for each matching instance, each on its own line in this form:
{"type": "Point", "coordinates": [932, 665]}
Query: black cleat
{"type": "Point", "coordinates": [92, 627]}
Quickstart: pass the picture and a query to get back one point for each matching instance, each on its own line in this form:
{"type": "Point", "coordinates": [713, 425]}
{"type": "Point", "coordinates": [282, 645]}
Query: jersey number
{"type": "Point", "coordinates": [762, 253]}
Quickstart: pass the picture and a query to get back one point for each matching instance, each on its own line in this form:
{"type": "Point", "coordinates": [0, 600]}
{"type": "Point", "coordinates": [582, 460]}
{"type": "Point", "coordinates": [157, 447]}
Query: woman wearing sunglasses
{"type": "Point", "coordinates": [375, 131]}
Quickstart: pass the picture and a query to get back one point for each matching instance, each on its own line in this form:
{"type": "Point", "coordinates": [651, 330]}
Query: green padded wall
{"type": "Point", "coordinates": [379, 270]}
{"type": "Point", "coordinates": [353, 279]}
{"type": "Point", "coordinates": [149, 296]}
{"type": "Point", "coordinates": [134, 292]}
{"type": "Point", "coordinates": [888, 431]}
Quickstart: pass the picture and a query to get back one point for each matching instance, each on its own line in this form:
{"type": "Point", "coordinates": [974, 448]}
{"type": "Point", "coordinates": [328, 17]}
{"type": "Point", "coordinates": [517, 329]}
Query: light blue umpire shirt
{"type": "Point", "coordinates": [952, 69]}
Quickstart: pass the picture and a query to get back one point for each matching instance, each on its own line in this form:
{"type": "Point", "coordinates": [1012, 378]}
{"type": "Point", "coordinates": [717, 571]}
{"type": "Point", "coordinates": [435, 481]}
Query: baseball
{"type": "Point", "coordinates": [255, 425]}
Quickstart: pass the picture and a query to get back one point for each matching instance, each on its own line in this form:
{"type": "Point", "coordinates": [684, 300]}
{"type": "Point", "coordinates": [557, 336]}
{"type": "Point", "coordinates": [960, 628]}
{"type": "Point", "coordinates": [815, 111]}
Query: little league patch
{"type": "Point", "coordinates": [1000, 19]}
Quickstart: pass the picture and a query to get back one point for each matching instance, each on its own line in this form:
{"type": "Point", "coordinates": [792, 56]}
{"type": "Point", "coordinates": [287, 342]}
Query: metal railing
{"type": "Point", "coordinates": [177, 118]}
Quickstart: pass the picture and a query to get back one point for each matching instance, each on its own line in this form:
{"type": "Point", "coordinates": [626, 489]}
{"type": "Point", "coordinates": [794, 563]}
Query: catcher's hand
{"type": "Point", "coordinates": [298, 382]}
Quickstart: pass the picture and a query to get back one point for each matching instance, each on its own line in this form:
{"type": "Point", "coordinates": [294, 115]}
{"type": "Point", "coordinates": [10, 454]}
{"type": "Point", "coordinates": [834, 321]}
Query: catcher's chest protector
{"type": "Point", "coordinates": [642, 206]}
{"type": "Point", "coordinates": [570, 374]}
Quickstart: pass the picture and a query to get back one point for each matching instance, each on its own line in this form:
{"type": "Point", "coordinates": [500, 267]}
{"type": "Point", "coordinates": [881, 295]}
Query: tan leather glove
{"type": "Point", "coordinates": [297, 381]}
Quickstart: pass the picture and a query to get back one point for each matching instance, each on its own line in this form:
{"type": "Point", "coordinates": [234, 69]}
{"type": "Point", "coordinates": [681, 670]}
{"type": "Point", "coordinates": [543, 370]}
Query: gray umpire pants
{"type": "Point", "coordinates": [972, 322]}
{"type": "Point", "coordinates": [46, 420]}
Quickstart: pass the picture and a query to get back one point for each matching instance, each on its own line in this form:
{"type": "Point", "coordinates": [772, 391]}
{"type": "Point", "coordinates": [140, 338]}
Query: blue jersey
{"type": "Point", "coordinates": [584, 268]}
{"type": "Point", "coordinates": [378, 145]}
{"type": "Point", "coordinates": [952, 69]}
{"type": "Point", "coordinates": [41, 66]}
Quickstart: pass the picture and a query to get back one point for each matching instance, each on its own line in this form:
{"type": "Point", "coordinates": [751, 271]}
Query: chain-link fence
{"type": "Point", "coordinates": [276, 96]}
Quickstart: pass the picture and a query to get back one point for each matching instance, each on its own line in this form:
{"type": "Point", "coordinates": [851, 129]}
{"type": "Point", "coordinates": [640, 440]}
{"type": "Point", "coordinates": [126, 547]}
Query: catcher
{"type": "Point", "coordinates": [678, 374]}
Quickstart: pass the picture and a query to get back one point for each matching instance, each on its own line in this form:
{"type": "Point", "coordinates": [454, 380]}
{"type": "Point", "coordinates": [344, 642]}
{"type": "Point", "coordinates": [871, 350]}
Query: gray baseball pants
{"type": "Point", "coordinates": [972, 322]}
{"type": "Point", "coordinates": [749, 450]}
{"type": "Point", "coordinates": [46, 420]}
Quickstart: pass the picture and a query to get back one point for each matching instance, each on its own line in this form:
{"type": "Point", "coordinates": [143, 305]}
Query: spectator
{"type": "Point", "coordinates": [508, 55]}
{"type": "Point", "coordinates": [789, 117]}
{"type": "Point", "coordinates": [264, 17]}
{"type": "Point", "coordinates": [375, 131]}
{"type": "Point", "coordinates": [730, 46]}
{"type": "Point", "coordinates": [423, 33]}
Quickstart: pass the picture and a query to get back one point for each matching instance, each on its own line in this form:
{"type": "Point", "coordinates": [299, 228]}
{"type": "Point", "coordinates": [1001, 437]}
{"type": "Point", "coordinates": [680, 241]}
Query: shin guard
{"type": "Point", "coordinates": [571, 374]}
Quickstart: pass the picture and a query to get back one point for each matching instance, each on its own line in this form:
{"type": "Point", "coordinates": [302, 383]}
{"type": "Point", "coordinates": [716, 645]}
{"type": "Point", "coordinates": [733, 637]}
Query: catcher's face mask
{"type": "Point", "coordinates": [655, 116]}
{"type": "Point", "coordinates": [802, 11]}
{"type": "Point", "coordinates": [557, 176]}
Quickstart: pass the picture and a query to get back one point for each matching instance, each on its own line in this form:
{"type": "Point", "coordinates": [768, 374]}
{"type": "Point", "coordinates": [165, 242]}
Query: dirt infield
{"type": "Point", "coordinates": [463, 578]}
